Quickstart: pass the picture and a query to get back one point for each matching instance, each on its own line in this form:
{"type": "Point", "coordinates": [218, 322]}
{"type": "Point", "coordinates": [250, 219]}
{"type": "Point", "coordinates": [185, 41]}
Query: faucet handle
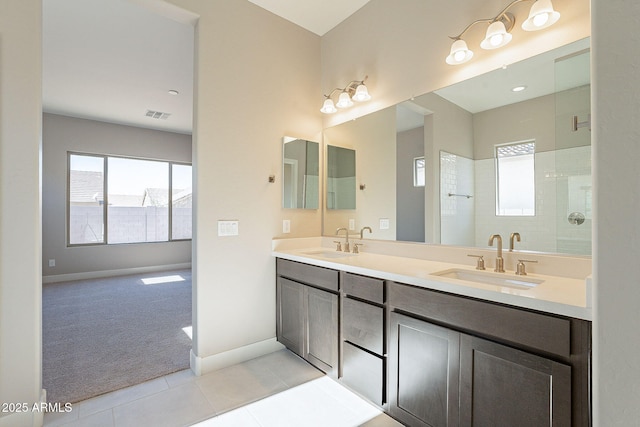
{"type": "Point", "coordinates": [480, 263]}
{"type": "Point", "coordinates": [356, 247]}
{"type": "Point", "coordinates": [338, 245]}
{"type": "Point", "coordinates": [520, 267]}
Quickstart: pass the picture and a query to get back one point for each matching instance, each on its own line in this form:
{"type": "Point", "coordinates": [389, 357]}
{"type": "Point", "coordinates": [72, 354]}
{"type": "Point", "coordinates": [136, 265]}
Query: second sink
{"type": "Point", "coordinates": [487, 278]}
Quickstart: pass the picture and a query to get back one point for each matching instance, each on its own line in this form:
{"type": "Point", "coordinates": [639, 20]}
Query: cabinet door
{"type": "Point", "coordinates": [502, 386]}
{"type": "Point", "coordinates": [423, 372]}
{"type": "Point", "coordinates": [290, 314]}
{"type": "Point", "coordinates": [321, 347]}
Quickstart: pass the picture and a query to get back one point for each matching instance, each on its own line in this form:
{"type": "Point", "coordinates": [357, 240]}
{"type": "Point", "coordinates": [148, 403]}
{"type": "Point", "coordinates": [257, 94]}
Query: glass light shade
{"type": "Point", "coordinates": [328, 107]}
{"type": "Point", "coordinates": [541, 16]}
{"type": "Point", "coordinates": [362, 94]}
{"type": "Point", "coordinates": [497, 36]}
{"type": "Point", "coordinates": [344, 100]}
{"type": "Point", "coordinates": [459, 54]}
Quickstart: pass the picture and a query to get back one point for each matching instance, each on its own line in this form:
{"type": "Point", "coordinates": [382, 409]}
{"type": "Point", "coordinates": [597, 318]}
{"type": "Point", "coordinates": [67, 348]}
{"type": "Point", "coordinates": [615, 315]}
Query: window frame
{"type": "Point", "coordinates": [105, 198]}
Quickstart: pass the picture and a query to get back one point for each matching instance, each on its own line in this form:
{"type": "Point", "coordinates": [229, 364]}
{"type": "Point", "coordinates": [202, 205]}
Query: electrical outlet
{"type": "Point", "coordinates": [352, 224]}
{"type": "Point", "coordinates": [384, 223]}
{"type": "Point", "coordinates": [52, 263]}
{"type": "Point", "coordinates": [286, 226]}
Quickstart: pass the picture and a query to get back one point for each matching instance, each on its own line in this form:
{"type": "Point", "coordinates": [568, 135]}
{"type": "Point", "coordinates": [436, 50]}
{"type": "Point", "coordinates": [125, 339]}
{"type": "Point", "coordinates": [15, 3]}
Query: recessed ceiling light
{"type": "Point", "coordinates": [173, 92]}
{"type": "Point", "coordinates": [518, 89]}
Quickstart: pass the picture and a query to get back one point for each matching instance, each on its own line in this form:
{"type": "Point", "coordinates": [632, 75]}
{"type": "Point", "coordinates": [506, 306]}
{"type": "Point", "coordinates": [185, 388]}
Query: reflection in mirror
{"type": "Point", "coordinates": [457, 130]}
{"type": "Point", "coordinates": [341, 178]}
{"type": "Point", "coordinates": [300, 174]}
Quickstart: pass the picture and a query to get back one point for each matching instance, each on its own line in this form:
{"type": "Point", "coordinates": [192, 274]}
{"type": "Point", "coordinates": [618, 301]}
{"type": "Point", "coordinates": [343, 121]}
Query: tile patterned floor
{"type": "Point", "coordinates": [276, 390]}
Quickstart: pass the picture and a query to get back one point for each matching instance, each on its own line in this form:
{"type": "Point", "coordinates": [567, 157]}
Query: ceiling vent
{"type": "Point", "coordinates": [157, 114]}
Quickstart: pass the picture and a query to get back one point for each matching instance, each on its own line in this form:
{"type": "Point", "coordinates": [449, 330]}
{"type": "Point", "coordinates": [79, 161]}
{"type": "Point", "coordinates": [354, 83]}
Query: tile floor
{"type": "Point", "coordinates": [278, 389]}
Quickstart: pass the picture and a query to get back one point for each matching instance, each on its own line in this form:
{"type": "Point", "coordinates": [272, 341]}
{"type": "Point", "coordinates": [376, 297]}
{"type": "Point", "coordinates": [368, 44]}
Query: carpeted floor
{"type": "Point", "coordinates": [101, 335]}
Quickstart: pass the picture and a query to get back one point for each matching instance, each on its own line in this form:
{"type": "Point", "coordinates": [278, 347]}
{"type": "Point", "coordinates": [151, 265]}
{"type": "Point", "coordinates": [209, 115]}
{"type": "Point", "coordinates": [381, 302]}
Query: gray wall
{"type": "Point", "coordinates": [410, 199]}
{"type": "Point", "coordinates": [63, 134]}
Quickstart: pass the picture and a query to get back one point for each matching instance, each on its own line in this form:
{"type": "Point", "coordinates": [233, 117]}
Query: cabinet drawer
{"type": "Point", "coordinates": [363, 287]}
{"type": "Point", "coordinates": [507, 324]}
{"type": "Point", "coordinates": [318, 277]}
{"type": "Point", "coordinates": [363, 324]}
{"type": "Point", "coordinates": [363, 372]}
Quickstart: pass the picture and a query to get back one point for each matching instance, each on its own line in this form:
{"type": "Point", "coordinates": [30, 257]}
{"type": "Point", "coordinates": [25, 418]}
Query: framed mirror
{"type": "Point", "coordinates": [300, 174]}
{"type": "Point", "coordinates": [538, 108]}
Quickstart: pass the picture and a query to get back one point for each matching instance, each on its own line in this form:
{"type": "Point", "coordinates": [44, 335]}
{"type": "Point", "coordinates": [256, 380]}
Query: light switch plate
{"type": "Point", "coordinates": [286, 226]}
{"type": "Point", "coordinates": [228, 228]}
{"type": "Point", "coordinates": [352, 224]}
{"type": "Point", "coordinates": [384, 223]}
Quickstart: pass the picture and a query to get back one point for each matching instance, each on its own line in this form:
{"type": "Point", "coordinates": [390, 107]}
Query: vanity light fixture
{"type": "Point", "coordinates": [354, 91]}
{"type": "Point", "coordinates": [541, 15]}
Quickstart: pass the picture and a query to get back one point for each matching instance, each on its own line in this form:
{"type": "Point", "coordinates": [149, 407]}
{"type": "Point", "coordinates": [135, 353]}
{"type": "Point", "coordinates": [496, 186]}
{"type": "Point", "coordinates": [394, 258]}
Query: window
{"type": "Point", "coordinates": [138, 206]}
{"type": "Point", "coordinates": [515, 179]}
{"type": "Point", "coordinates": [418, 172]}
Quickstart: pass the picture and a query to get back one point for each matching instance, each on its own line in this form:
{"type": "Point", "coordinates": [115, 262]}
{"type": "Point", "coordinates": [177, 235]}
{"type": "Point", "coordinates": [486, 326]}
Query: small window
{"type": "Point", "coordinates": [418, 172]}
{"type": "Point", "coordinates": [515, 179]}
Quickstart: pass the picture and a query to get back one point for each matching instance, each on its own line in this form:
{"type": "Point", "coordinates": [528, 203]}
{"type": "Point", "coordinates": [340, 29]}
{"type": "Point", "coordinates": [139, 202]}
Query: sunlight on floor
{"type": "Point", "coordinates": [163, 279]}
{"type": "Point", "coordinates": [321, 402]}
{"type": "Point", "coordinates": [189, 331]}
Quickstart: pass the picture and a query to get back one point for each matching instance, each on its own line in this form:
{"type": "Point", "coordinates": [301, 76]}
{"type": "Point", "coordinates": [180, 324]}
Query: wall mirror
{"type": "Point", "coordinates": [300, 174]}
{"type": "Point", "coordinates": [504, 152]}
{"type": "Point", "coordinates": [341, 178]}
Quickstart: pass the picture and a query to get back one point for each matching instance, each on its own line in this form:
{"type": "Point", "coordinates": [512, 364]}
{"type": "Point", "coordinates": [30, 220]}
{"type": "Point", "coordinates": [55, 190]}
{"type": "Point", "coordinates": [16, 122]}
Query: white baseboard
{"type": "Point", "coordinates": [110, 273]}
{"type": "Point", "coordinates": [30, 418]}
{"type": "Point", "coordinates": [204, 365]}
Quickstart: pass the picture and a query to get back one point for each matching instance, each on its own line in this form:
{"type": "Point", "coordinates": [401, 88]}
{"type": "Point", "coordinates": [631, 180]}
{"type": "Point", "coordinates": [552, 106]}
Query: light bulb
{"type": "Point", "coordinates": [459, 53]}
{"type": "Point", "coordinates": [497, 36]}
{"type": "Point", "coordinates": [344, 100]}
{"type": "Point", "coordinates": [496, 39]}
{"type": "Point", "coordinates": [540, 19]}
{"type": "Point", "coordinates": [362, 94]}
{"type": "Point", "coordinates": [541, 16]}
{"type": "Point", "coordinates": [328, 107]}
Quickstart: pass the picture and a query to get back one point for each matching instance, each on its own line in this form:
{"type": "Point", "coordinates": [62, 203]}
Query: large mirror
{"type": "Point", "coordinates": [505, 152]}
{"type": "Point", "coordinates": [300, 172]}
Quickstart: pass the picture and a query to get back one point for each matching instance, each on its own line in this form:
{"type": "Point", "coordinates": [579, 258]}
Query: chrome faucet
{"type": "Point", "coordinates": [346, 233]}
{"type": "Point", "coordinates": [362, 231]}
{"type": "Point", "coordinates": [499, 260]}
{"type": "Point", "coordinates": [517, 237]}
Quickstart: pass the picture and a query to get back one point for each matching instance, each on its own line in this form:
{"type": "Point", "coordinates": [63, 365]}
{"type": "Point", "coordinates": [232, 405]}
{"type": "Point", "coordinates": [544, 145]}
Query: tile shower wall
{"type": "Point", "coordinates": [457, 211]}
{"type": "Point", "coordinates": [563, 185]}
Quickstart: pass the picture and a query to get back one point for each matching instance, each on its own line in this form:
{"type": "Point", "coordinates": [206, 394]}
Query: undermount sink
{"type": "Point", "coordinates": [328, 254]}
{"type": "Point", "coordinates": [490, 278]}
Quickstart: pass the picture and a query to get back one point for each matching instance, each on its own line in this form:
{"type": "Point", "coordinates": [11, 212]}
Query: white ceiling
{"type": "Point", "coordinates": [113, 60]}
{"type": "Point", "coordinates": [318, 16]}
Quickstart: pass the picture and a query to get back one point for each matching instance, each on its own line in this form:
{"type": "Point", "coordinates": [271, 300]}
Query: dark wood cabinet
{"type": "Point", "coordinates": [290, 314]}
{"type": "Point", "coordinates": [504, 372]}
{"type": "Point", "coordinates": [321, 346]}
{"type": "Point", "coordinates": [423, 372]}
{"type": "Point", "coordinates": [362, 336]}
{"type": "Point", "coordinates": [503, 387]}
{"type": "Point", "coordinates": [307, 316]}
{"type": "Point", "coordinates": [436, 359]}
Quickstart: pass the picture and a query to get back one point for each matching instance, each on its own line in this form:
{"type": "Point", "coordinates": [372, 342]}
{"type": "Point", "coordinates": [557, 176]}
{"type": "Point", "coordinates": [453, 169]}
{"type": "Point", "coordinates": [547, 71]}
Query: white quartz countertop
{"type": "Point", "coordinates": [558, 295]}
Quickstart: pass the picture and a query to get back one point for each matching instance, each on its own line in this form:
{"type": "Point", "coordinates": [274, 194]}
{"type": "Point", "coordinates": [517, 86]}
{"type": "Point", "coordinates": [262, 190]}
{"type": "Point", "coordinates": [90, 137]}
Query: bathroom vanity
{"type": "Point", "coordinates": [434, 349]}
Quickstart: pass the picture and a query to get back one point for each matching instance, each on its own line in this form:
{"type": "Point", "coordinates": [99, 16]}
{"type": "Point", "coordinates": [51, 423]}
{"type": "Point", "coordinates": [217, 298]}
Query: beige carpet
{"type": "Point", "coordinates": [105, 334]}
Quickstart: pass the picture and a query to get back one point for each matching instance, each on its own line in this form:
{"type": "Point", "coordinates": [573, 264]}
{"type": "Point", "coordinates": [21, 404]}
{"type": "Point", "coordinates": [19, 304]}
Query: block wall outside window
{"type": "Point", "coordinates": [139, 206]}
